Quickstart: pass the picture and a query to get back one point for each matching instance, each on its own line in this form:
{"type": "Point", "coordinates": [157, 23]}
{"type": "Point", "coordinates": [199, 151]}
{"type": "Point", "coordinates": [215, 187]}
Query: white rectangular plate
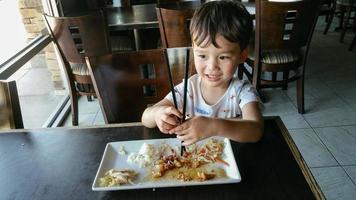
{"type": "Point", "coordinates": [112, 159]}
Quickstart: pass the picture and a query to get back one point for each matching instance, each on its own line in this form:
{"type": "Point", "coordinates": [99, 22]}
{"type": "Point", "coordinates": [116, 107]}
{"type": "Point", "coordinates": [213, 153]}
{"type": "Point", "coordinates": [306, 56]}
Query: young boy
{"type": "Point", "coordinates": [216, 99]}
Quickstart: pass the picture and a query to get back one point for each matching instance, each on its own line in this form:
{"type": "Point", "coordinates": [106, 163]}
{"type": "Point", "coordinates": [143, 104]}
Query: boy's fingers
{"type": "Point", "coordinates": [174, 111]}
{"type": "Point", "coordinates": [165, 128]}
{"type": "Point", "coordinates": [171, 121]}
{"type": "Point", "coordinates": [177, 130]}
{"type": "Point", "coordinates": [180, 128]}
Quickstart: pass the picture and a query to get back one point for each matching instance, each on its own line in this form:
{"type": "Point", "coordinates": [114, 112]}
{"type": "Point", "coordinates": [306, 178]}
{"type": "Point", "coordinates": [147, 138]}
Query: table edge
{"type": "Point", "coordinates": [314, 186]}
{"type": "Point", "coordinates": [116, 125]}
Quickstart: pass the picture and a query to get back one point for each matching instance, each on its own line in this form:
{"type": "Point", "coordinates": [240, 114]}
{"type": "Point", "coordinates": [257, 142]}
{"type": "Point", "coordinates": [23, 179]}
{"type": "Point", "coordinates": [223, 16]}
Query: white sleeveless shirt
{"type": "Point", "coordinates": [238, 94]}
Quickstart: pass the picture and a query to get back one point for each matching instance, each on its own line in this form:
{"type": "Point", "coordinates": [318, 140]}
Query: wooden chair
{"type": "Point", "coordinates": [340, 8]}
{"type": "Point", "coordinates": [352, 43]}
{"type": "Point", "coordinates": [349, 6]}
{"type": "Point", "coordinates": [127, 82]}
{"type": "Point", "coordinates": [75, 38]}
{"type": "Point", "coordinates": [283, 34]}
{"type": "Point", "coordinates": [10, 111]}
{"type": "Point", "coordinates": [328, 9]}
{"type": "Point", "coordinates": [174, 21]}
{"type": "Point", "coordinates": [177, 60]}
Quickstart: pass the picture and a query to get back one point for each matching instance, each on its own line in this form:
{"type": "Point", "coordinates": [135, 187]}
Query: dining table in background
{"type": "Point", "coordinates": [132, 18]}
{"type": "Point", "coordinates": [61, 163]}
{"type": "Point", "coordinates": [144, 16]}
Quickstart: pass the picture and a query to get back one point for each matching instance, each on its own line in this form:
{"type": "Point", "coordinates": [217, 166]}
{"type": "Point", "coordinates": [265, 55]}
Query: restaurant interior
{"type": "Point", "coordinates": [56, 90]}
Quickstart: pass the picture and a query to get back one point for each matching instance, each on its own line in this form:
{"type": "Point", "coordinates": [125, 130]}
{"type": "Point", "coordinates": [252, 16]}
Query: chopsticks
{"type": "Point", "coordinates": [186, 71]}
{"type": "Point", "coordinates": [171, 80]}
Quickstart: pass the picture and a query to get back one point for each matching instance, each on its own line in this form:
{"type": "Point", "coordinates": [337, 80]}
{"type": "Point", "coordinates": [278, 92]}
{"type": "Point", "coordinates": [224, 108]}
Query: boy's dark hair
{"type": "Point", "coordinates": [227, 18]}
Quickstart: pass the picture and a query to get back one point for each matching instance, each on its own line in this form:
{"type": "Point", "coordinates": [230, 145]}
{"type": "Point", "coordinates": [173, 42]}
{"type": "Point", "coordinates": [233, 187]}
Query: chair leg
{"type": "Point", "coordinates": [346, 22]}
{"type": "Point", "coordinates": [89, 98]}
{"type": "Point", "coordinates": [300, 95]}
{"type": "Point", "coordinates": [74, 107]}
{"type": "Point", "coordinates": [285, 78]}
{"type": "Point", "coordinates": [327, 17]}
{"type": "Point", "coordinates": [330, 20]}
{"type": "Point", "coordinates": [274, 76]}
{"type": "Point", "coordinates": [262, 97]}
{"type": "Point", "coordinates": [352, 43]}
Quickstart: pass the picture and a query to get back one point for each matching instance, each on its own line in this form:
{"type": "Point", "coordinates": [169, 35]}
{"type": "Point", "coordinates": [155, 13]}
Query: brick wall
{"type": "Point", "coordinates": [31, 12]}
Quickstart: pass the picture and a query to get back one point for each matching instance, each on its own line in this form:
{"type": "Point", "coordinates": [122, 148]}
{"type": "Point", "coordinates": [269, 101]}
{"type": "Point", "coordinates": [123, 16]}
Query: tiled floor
{"type": "Point", "coordinates": [326, 134]}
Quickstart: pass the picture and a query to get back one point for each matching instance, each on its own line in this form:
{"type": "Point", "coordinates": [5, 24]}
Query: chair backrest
{"type": "Point", "coordinates": [177, 58]}
{"type": "Point", "coordinates": [285, 25]}
{"type": "Point", "coordinates": [174, 21]}
{"type": "Point", "coordinates": [80, 36]}
{"type": "Point", "coordinates": [127, 82]}
{"type": "Point", "coordinates": [10, 111]}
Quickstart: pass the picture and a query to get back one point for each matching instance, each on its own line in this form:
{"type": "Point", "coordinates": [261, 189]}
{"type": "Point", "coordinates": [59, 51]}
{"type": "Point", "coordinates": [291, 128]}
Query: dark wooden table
{"type": "Point", "coordinates": [134, 17]}
{"type": "Point", "coordinates": [61, 163]}
{"type": "Point", "coordinates": [144, 16]}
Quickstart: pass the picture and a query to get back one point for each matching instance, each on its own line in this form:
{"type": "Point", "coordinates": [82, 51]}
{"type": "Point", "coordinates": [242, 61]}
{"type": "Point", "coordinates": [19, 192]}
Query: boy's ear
{"type": "Point", "coordinates": [243, 55]}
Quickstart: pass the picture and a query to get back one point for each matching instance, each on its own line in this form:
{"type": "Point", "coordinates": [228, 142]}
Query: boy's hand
{"type": "Point", "coordinates": [167, 118]}
{"type": "Point", "coordinates": [194, 129]}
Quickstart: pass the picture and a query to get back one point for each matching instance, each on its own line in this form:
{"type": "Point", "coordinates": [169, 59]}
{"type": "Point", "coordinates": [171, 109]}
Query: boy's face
{"type": "Point", "coordinates": [216, 66]}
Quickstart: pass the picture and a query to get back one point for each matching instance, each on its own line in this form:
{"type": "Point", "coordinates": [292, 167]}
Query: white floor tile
{"type": "Point", "coordinates": [334, 183]}
{"type": "Point", "coordinates": [279, 108]}
{"type": "Point", "coordinates": [83, 120]}
{"type": "Point", "coordinates": [88, 107]}
{"type": "Point", "coordinates": [341, 143]}
{"type": "Point", "coordinates": [320, 116]}
{"type": "Point", "coordinates": [312, 149]}
{"type": "Point", "coordinates": [294, 121]}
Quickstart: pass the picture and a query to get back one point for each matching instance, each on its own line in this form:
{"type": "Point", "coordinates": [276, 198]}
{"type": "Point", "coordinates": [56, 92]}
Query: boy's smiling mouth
{"type": "Point", "coordinates": [212, 77]}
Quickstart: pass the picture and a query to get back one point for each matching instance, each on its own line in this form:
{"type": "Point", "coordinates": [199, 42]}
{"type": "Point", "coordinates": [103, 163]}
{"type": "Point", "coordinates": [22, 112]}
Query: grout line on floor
{"type": "Point", "coordinates": [349, 165]}
{"type": "Point", "coordinates": [321, 167]}
{"type": "Point", "coordinates": [343, 167]}
{"type": "Point", "coordinates": [311, 127]}
{"type": "Point", "coordinates": [96, 115]}
{"type": "Point", "coordinates": [94, 118]}
{"type": "Point", "coordinates": [339, 126]}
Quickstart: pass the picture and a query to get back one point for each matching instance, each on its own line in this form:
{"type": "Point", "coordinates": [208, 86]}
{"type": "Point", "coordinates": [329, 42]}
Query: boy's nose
{"type": "Point", "coordinates": [212, 64]}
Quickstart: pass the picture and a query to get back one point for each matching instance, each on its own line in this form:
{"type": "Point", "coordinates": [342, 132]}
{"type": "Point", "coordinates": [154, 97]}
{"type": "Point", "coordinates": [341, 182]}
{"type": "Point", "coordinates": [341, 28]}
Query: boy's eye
{"type": "Point", "coordinates": [224, 57]}
{"type": "Point", "coordinates": [201, 56]}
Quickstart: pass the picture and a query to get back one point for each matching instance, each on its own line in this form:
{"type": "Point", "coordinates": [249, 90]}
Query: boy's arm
{"type": "Point", "coordinates": [162, 111]}
{"type": "Point", "coordinates": [247, 129]}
